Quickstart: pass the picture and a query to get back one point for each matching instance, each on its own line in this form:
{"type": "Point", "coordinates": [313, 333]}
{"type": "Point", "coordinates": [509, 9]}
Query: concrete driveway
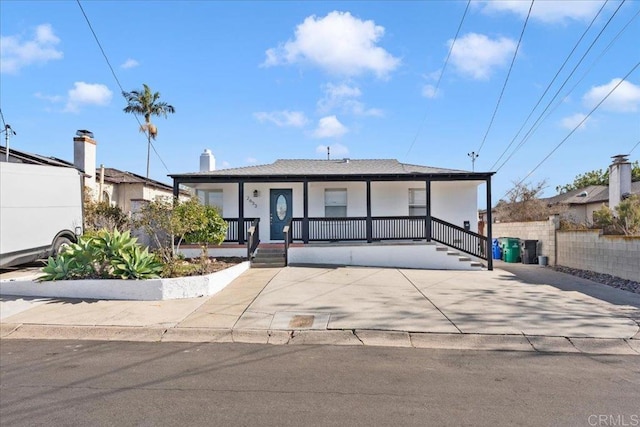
{"type": "Point", "coordinates": [440, 301]}
{"type": "Point", "coordinates": [515, 307]}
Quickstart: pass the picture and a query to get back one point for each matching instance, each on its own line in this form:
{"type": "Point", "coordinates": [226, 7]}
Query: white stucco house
{"type": "Point", "coordinates": [350, 212]}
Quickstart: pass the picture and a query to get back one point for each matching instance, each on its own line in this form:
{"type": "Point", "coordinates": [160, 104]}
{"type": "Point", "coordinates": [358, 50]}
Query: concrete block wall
{"type": "Point", "coordinates": [543, 231]}
{"type": "Point", "coordinates": [590, 250]}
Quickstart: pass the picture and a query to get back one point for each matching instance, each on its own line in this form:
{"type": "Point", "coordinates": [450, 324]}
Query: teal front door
{"type": "Point", "coordinates": [280, 212]}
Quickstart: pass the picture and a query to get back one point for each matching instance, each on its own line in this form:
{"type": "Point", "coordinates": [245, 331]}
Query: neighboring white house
{"type": "Point", "coordinates": [344, 202]}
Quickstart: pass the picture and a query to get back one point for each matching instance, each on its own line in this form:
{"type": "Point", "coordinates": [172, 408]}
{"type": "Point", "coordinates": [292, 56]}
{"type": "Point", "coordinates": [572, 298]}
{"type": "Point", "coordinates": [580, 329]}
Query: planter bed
{"type": "Point", "coordinates": [147, 290]}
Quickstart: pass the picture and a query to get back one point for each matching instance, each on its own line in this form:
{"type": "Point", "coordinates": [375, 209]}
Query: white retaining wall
{"type": "Point", "coordinates": [590, 250]}
{"type": "Point", "coordinates": [383, 255]}
{"type": "Point", "coordinates": [147, 290]}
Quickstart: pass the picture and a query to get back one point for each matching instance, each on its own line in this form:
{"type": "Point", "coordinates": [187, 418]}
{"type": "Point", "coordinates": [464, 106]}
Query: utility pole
{"type": "Point", "coordinates": [7, 133]}
{"type": "Point", "coordinates": [473, 156]}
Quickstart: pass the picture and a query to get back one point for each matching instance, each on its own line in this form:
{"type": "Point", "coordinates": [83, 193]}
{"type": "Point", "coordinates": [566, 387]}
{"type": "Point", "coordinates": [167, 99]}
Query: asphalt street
{"type": "Point", "coordinates": [144, 384]}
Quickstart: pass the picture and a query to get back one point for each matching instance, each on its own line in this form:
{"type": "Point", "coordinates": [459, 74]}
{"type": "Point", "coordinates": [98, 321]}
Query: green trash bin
{"type": "Point", "coordinates": [511, 250]}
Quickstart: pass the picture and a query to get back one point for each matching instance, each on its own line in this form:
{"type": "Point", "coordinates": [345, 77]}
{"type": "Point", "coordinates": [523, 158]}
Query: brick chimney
{"type": "Point", "coordinates": [207, 161]}
{"type": "Point", "coordinates": [84, 157]}
{"type": "Point", "coordinates": [619, 179]}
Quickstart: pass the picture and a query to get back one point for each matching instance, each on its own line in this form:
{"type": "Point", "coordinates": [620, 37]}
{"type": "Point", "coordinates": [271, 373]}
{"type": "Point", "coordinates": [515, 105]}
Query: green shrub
{"type": "Point", "coordinates": [212, 231]}
{"type": "Point", "coordinates": [169, 223]}
{"type": "Point", "coordinates": [102, 215]}
{"type": "Point", "coordinates": [626, 219]}
{"type": "Point", "coordinates": [106, 255]}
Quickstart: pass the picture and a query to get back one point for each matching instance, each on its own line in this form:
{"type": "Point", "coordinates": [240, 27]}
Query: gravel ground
{"type": "Point", "coordinates": [605, 279]}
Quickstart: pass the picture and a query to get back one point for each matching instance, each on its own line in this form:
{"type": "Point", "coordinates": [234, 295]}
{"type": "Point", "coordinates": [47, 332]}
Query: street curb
{"type": "Point", "coordinates": [369, 338]}
{"type": "Point", "coordinates": [98, 333]}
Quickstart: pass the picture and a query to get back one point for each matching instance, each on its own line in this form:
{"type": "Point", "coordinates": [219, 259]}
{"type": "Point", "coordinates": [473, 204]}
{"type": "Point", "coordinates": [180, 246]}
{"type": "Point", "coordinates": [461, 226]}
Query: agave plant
{"type": "Point", "coordinates": [136, 264]}
{"type": "Point", "coordinates": [56, 269]}
{"type": "Point", "coordinates": [106, 254]}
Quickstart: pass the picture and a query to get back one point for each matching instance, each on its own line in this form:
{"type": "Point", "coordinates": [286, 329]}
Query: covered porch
{"type": "Point", "coordinates": [313, 209]}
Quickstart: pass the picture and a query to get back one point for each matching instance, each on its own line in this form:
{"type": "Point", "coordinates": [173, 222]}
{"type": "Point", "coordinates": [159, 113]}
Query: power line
{"type": "Point", "coordinates": [634, 147]}
{"type": "Point", "coordinates": [580, 124]}
{"type": "Point", "coordinates": [550, 83]}
{"type": "Point", "coordinates": [2, 116]}
{"type": "Point", "coordinates": [540, 118]}
{"type": "Point", "coordinates": [513, 60]}
{"type": "Point", "coordinates": [446, 61]}
{"type": "Point", "coordinates": [116, 78]}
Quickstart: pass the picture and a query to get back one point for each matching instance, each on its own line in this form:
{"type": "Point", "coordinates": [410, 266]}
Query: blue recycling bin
{"type": "Point", "coordinates": [497, 250]}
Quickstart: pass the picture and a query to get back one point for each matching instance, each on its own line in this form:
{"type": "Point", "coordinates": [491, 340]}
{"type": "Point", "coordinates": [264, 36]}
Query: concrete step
{"type": "Point", "coordinates": [268, 258]}
{"type": "Point", "coordinates": [255, 264]}
{"type": "Point", "coordinates": [263, 255]}
{"type": "Point", "coordinates": [270, 251]}
{"type": "Point", "coordinates": [461, 256]}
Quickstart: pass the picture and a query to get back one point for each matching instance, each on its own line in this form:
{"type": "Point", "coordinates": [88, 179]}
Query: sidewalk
{"type": "Point", "coordinates": [531, 308]}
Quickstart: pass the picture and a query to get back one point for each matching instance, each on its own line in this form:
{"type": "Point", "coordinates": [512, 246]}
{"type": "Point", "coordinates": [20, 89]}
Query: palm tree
{"type": "Point", "coordinates": [146, 103]}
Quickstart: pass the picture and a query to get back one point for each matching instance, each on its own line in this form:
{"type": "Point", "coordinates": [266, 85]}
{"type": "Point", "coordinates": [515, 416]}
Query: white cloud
{"type": "Point", "coordinates": [335, 150]}
{"type": "Point", "coordinates": [429, 91]}
{"type": "Point", "coordinates": [50, 98]}
{"type": "Point", "coordinates": [87, 94]}
{"type": "Point", "coordinates": [546, 11]}
{"type": "Point", "coordinates": [343, 97]}
{"type": "Point", "coordinates": [251, 160]}
{"type": "Point", "coordinates": [476, 55]}
{"type": "Point", "coordinates": [282, 118]}
{"type": "Point", "coordinates": [337, 43]}
{"type": "Point", "coordinates": [624, 99]}
{"type": "Point", "coordinates": [129, 63]}
{"type": "Point", "coordinates": [574, 120]}
{"type": "Point", "coordinates": [16, 53]}
{"type": "Point", "coordinates": [226, 164]}
{"type": "Point", "coordinates": [329, 127]}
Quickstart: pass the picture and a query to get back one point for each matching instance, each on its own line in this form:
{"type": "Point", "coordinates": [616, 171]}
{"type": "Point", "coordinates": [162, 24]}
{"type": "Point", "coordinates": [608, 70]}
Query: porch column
{"type": "Point", "coordinates": [241, 212]}
{"type": "Point", "coordinates": [305, 211]}
{"type": "Point", "coordinates": [176, 188]}
{"type": "Point", "coordinates": [369, 221]}
{"type": "Point", "coordinates": [428, 216]}
{"type": "Point", "coordinates": [488, 249]}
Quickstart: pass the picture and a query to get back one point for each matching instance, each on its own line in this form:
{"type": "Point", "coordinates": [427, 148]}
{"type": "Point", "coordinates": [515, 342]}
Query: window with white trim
{"type": "Point", "coordinates": [417, 202]}
{"type": "Point", "coordinates": [335, 203]}
{"type": "Point", "coordinates": [211, 198]}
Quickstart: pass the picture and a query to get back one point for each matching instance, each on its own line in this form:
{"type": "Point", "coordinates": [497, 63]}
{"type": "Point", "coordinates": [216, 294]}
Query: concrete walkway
{"type": "Point", "coordinates": [527, 308]}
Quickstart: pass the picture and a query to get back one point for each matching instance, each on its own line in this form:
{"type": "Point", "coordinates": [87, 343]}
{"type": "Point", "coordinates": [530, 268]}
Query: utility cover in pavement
{"type": "Point", "coordinates": [295, 320]}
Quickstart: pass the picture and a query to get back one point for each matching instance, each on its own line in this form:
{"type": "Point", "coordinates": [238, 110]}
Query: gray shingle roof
{"type": "Point", "coordinates": [594, 194]}
{"type": "Point", "coordinates": [36, 159]}
{"type": "Point", "coordinates": [117, 176]}
{"type": "Point", "coordinates": [328, 167]}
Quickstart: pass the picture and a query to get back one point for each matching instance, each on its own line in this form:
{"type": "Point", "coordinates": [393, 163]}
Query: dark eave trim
{"type": "Point", "coordinates": [471, 176]}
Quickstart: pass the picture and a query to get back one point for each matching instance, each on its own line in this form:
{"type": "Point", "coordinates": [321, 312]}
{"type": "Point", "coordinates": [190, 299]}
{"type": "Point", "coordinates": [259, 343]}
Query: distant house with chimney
{"type": "Point", "coordinates": [579, 205]}
{"type": "Point", "coordinates": [119, 188]}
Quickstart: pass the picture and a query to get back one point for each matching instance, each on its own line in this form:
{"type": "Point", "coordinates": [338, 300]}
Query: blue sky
{"type": "Point", "coordinates": [258, 81]}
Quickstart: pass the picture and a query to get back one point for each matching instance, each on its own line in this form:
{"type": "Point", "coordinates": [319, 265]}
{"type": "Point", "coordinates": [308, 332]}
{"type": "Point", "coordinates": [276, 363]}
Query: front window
{"type": "Point", "coordinates": [211, 198]}
{"type": "Point", "coordinates": [417, 202]}
{"type": "Point", "coordinates": [335, 203]}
